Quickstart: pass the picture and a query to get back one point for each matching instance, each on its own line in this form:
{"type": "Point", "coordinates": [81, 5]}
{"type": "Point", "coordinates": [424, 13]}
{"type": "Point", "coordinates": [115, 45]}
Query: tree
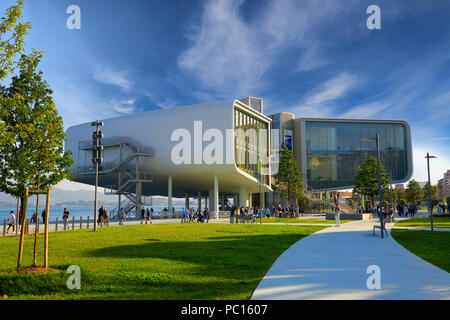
{"type": "Point", "coordinates": [288, 179]}
{"type": "Point", "coordinates": [425, 195]}
{"type": "Point", "coordinates": [413, 191]}
{"type": "Point", "coordinates": [366, 182]}
{"type": "Point", "coordinates": [35, 156]}
{"type": "Point", "coordinates": [12, 34]}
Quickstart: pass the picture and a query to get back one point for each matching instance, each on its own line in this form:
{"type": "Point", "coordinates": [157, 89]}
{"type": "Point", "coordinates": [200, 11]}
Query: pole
{"type": "Point", "coordinates": [22, 232]}
{"type": "Point", "coordinates": [430, 204]}
{"type": "Point", "coordinates": [379, 185]}
{"type": "Point", "coordinates": [47, 214]}
{"type": "Point", "coordinates": [17, 216]}
{"type": "Point", "coordinates": [96, 185]}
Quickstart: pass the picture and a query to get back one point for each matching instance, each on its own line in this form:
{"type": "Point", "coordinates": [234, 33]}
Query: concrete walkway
{"type": "Point", "coordinates": [332, 264]}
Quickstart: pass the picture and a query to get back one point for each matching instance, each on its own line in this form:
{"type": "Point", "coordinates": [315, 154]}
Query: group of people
{"type": "Point", "coordinates": [190, 215]}
{"type": "Point", "coordinates": [442, 207]}
{"type": "Point", "coordinates": [103, 217]}
{"type": "Point", "coordinates": [279, 212]}
{"type": "Point", "coordinates": [146, 215]}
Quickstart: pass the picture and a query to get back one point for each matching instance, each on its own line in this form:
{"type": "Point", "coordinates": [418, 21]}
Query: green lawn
{"type": "Point", "coordinates": [438, 222]}
{"type": "Point", "coordinates": [288, 220]}
{"type": "Point", "coordinates": [430, 246]}
{"type": "Point", "coordinates": [169, 261]}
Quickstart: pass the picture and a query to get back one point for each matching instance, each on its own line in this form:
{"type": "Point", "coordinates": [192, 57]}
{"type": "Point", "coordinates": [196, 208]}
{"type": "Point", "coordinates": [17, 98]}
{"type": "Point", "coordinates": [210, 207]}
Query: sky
{"type": "Point", "coordinates": [313, 58]}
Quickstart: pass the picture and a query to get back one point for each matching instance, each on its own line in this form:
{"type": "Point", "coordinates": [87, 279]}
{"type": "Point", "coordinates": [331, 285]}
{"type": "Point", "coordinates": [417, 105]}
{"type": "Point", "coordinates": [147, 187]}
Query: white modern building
{"type": "Point", "coordinates": [196, 151]}
{"type": "Point", "coordinates": [229, 150]}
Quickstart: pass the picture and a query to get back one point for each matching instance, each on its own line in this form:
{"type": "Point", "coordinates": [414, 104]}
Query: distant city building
{"type": "Point", "coordinates": [446, 185]}
{"type": "Point", "coordinates": [422, 183]}
{"type": "Point", "coordinates": [440, 189]}
{"type": "Point", "coordinates": [400, 186]}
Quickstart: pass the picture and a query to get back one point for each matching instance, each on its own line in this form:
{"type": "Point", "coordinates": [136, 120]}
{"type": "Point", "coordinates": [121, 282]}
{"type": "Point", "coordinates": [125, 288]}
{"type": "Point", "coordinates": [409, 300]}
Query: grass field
{"type": "Point", "coordinates": [430, 246]}
{"type": "Point", "coordinates": [438, 222]}
{"type": "Point", "coordinates": [287, 220]}
{"type": "Point", "coordinates": [167, 261]}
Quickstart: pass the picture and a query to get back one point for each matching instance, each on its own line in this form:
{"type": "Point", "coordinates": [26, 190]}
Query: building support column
{"type": "Point", "coordinates": [216, 195]}
{"type": "Point", "coordinates": [243, 197]}
{"type": "Point", "coordinates": [186, 200]}
{"type": "Point", "coordinates": [261, 200]}
{"type": "Point", "coordinates": [169, 196]}
{"type": "Point", "coordinates": [199, 201]}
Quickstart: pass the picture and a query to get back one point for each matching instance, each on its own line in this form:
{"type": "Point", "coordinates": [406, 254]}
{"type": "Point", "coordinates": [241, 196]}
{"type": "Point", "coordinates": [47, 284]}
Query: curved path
{"type": "Point", "coordinates": [332, 264]}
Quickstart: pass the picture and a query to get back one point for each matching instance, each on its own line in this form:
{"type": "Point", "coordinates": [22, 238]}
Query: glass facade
{"type": "Point", "coordinates": [251, 143]}
{"type": "Point", "coordinates": [334, 152]}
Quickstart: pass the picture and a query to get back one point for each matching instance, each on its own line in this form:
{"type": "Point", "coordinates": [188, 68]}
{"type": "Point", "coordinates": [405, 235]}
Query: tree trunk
{"type": "Point", "coordinates": [36, 226]}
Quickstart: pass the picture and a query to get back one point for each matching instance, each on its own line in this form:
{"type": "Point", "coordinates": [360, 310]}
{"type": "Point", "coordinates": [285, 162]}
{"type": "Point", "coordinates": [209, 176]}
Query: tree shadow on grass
{"type": "Point", "coordinates": [220, 267]}
{"type": "Point", "coordinates": [222, 256]}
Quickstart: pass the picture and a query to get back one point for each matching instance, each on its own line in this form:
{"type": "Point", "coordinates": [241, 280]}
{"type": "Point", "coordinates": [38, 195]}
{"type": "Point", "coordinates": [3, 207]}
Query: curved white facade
{"type": "Point", "coordinates": [154, 130]}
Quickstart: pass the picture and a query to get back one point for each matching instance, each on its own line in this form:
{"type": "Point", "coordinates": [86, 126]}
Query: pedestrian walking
{"type": "Point", "coordinates": [337, 216]}
{"type": "Point", "coordinates": [142, 215]}
{"type": "Point", "coordinates": [43, 215]}
{"type": "Point", "coordinates": [105, 216]}
{"type": "Point", "coordinates": [100, 216]}
{"type": "Point", "coordinates": [65, 218]}
{"type": "Point", "coordinates": [149, 218]}
{"type": "Point", "coordinates": [121, 216]}
{"type": "Point", "coordinates": [11, 221]}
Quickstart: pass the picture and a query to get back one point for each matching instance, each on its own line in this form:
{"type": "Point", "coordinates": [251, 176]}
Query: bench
{"type": "Point", "coordinates": [251, 218]}
{"type": "Point", "coordinates": [379, 227]}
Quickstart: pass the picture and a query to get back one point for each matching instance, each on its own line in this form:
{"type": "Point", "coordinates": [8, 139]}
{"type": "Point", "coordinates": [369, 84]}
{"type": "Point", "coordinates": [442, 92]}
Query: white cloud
{"type": "Point", "coordinates": [109, 76]}
{"type": "Point", "coordinates": [319, 103]}
{"type": "Point", "coordinates": [125, 106]}
{"type": "Point", "coordinates": [365, 110]}
{"type": "Point", "coordinates": [332, 89]}
{"type": "Point", "coordinates": [230, 56]}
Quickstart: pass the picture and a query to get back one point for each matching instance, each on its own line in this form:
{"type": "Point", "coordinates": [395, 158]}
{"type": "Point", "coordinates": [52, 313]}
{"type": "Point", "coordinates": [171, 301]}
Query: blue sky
{"type": "Point", "coordinates": [314, 58]}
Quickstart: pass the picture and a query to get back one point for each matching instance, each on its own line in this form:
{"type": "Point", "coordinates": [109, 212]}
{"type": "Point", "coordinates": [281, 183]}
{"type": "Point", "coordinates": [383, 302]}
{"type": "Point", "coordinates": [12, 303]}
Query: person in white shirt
{"type": "Point", "coordinates": [11, 221]}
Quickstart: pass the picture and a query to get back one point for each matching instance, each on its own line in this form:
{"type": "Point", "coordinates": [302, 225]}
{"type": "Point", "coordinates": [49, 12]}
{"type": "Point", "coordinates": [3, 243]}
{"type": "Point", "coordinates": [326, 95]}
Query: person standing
{"type": "Point", "coordinates": [206, 215]}
{"type": "Point", "coordinates": [142, 215]}
{"type": "Point", "coordinates": [65, 217]}
{"type": "Point", "coordinates": [20, 220]}
{"type": "Point", "coordinates": [100, 216]}
{"type": "Point", "coordinates": [105, 217]}
{"type": "Point", "coordinates": [337, 216]}
{"type": "Point", "coordinates": [149, 218]}
{"type": "Point", "coordinates": [43, 214]}
{"type": "Point", "coordinates": [121, 216]}
{"type": "Point", "coordinates": [11, 221]}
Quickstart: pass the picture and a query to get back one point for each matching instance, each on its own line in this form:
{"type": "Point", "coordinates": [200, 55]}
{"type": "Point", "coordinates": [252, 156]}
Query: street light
{"type": "Point", "coordinates": [96, 159]}
{"type": "Point", "coordinates": [377, 140]}
{"type": "Point", "coordinates": [430, 204]}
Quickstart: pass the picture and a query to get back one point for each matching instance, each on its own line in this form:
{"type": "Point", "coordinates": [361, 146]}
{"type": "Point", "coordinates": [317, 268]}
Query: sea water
{"type": "Point", "coordinates": [75, 211]}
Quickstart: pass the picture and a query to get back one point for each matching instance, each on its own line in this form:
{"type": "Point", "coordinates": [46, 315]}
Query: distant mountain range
{"type": "Point", "coordinates": [61, 197]}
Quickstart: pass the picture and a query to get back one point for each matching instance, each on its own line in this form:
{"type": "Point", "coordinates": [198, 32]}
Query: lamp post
{"type": "Point", "coordinates": [377, 140]}
{"type": "Point", "coordinates": [96, 159]}
{"type": "Point", "coordinates": [430, 204]}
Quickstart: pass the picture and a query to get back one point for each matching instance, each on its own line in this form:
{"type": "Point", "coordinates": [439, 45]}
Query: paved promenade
{"type": "Point", "coordinates": [332, 264]}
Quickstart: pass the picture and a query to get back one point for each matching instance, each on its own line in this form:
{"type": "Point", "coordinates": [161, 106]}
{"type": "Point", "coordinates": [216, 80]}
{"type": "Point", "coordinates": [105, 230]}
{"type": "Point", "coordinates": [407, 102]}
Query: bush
{"type": "Point", "coordinates": [402, 202]}
{"type": "Point", "coordinates": [351, 202]}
